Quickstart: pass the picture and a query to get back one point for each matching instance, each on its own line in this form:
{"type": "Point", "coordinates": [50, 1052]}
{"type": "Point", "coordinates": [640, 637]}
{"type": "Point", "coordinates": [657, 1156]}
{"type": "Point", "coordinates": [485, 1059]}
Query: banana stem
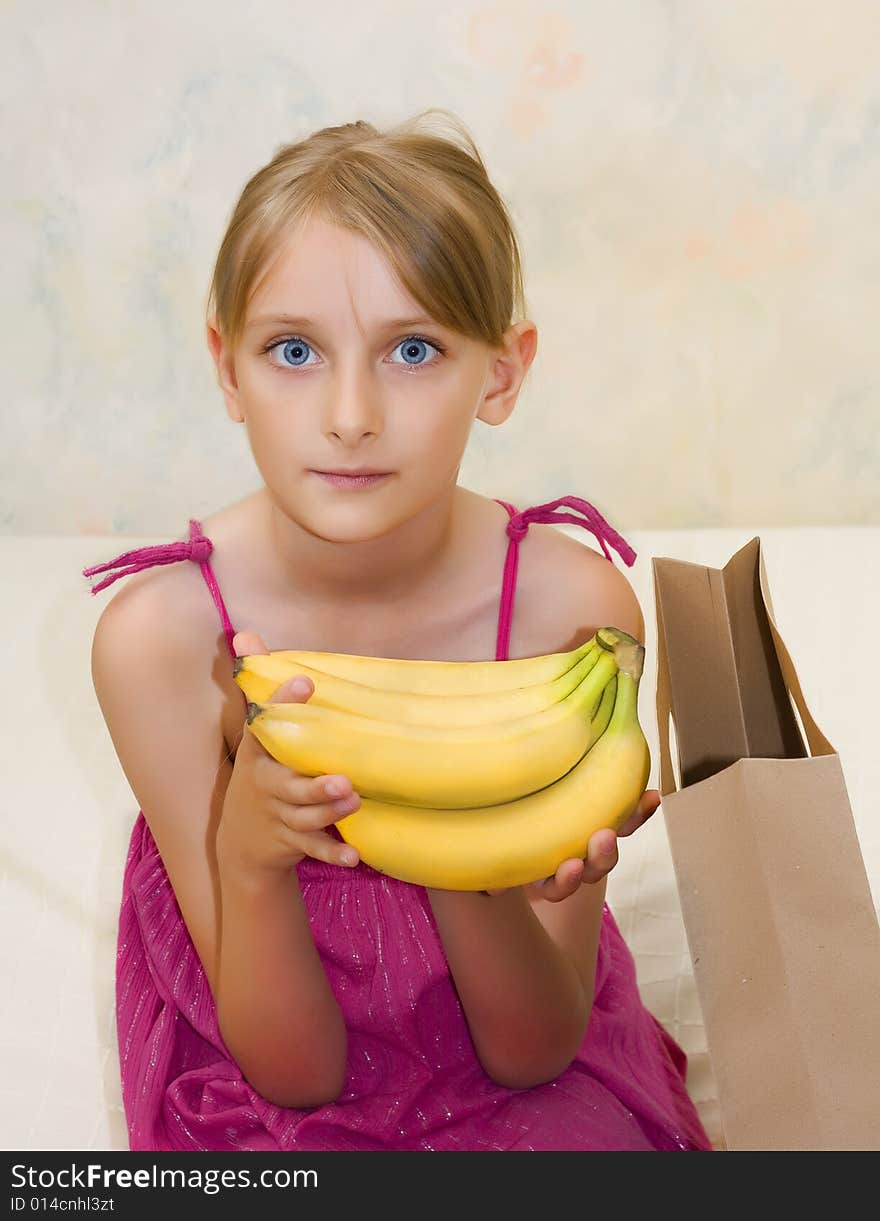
{"type": "Point", "coordinates": [628, 653]}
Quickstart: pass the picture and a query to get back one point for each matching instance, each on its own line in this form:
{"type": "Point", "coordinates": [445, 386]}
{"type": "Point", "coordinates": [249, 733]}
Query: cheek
{"type": "Point", "coordinates": [435, 439]}
{"type": "Point", "coordinates": [445, 416]}
{"type": "Point", "coordinates": [275, 441]}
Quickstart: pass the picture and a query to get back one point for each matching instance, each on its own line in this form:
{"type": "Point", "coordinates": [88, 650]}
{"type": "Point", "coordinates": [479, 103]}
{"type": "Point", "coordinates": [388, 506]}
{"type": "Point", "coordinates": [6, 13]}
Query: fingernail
{"type": "Point", "coordinates": [333, 788]}
{"type": "Point", "coordinates": [299, 686]}
{"type": "Point", "coordinates": [347, 805]}
{"type": "Point", "coordinates": [349, 857]}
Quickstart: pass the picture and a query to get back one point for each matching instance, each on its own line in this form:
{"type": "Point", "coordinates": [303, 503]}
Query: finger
{"type": "Point", "coordinates": [288, 693]}
{"type": "Point", "coordinates": [564, 882]}
{"type": "Point", "coordinates": [315, 812]}
{"type": "Point", "coordinates": [306, 819]}
{"type": "Point", "coordinates": [294, 690]}
{"type": "Point", "coordinates": [649, 802]}
{"type": "Point", "coordinates": [311, 790]}
{"type": "Point", "coordinates": [324, 848]}
{"type": "Point", "coordinates": [245, 643]}
{"type": "Point", "coordinates": [602, 855]}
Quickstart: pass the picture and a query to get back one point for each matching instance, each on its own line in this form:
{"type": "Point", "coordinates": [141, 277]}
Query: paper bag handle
{"type": "Point", "coordinates": [818, 743]}
{"type": "Point", "coordinates": [816, 740]}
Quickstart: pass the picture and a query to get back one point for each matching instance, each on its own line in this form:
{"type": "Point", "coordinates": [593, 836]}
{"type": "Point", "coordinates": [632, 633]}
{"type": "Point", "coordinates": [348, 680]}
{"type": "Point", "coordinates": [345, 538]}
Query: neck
{"type": "Point", "coordinates": [411, 559]}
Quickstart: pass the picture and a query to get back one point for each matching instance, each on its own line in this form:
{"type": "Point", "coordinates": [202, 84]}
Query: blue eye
{"type": "Point", "coordinates": [292, 349]}
{"type": "Point", "coordinates": [412, 347]}
{"type": "Point", "coordinates": [294, 352]}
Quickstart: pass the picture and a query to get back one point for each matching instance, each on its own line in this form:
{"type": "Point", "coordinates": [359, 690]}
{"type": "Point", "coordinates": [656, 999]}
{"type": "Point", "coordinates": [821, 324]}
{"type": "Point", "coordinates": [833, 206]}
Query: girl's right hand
{"type": "Point", "coordinates": [273, 816]}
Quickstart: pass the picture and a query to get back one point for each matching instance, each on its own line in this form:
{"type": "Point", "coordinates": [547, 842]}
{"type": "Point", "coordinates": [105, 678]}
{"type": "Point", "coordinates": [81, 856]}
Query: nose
{"type": "Point", "coordinates": [353, 410]}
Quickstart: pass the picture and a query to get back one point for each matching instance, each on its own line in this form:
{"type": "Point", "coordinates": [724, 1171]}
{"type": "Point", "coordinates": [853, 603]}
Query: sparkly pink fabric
{"type": "Point", "coordinates": [414, 1081]}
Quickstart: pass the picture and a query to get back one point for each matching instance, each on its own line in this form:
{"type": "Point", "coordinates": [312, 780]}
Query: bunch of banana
{"type": "Point", "coordinates": [497, 800]}
{"type": "Point", "coordinates": [440, 765]}
{"type": "Point", "coordinates": [420, 692]}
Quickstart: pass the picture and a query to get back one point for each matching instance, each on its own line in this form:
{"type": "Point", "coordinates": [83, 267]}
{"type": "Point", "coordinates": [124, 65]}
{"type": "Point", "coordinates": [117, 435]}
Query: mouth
{"type": "Point", "coordinates": [353, 479]}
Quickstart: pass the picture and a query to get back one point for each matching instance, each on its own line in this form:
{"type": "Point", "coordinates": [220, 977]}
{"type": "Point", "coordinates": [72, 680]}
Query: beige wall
{"type": "Point", "coordinates": [695, 185]}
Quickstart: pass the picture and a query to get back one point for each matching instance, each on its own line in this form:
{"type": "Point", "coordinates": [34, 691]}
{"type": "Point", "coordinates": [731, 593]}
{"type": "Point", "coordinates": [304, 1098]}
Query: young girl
{"type": "Point", "coordinates": [273, 992]}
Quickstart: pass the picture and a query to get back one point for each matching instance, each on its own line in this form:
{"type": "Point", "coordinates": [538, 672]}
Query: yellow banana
{"type": "Point", "coordinates": [603, 712]}
{"type": "Point", "coordinates": [517, 842]}
{"type": "Point", "coordinates": [260, 674]}
{"type": "Point", "coordinates": [428, 677]}
{"type": "Point", "coordinates": [432, 765]}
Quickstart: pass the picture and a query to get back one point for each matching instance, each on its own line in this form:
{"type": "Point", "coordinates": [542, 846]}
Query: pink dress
{"type": "Point", "coordinates": [414, 1081]}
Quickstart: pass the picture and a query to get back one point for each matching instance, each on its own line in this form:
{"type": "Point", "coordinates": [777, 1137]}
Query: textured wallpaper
{"type": "Point", "coordinates": [696, 188]}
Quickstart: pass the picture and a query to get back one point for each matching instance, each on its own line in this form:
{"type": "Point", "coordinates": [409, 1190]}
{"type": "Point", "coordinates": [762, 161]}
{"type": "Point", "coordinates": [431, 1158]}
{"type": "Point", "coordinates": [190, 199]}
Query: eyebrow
{"type": "Point", "coordinates": [390, 324]}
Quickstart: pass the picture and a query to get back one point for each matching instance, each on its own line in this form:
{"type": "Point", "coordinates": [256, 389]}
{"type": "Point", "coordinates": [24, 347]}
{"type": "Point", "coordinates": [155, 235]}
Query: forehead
{"type": "Point", "coordinates": [321, 268]}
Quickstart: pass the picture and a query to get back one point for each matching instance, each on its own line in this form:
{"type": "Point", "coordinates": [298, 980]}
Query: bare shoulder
{"type": "Point", "coordinates": [165, 618]}
{"type": "Point", "coordinates": [160, 669]}
{"type": "Point", "coordinates": [168, 609]}
{"type": "Point", "coordinates": [566, 590]}
{"type": "Point", "coordinates": [598, 583]}
{"type": "Point", "coordinates": [156, 605]}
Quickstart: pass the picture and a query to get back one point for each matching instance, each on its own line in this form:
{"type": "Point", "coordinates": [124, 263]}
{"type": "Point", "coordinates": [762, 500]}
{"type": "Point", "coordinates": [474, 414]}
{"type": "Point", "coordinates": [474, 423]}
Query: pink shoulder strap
{"type": "Point", "coordinates": [197, 548]}
{"type": "Point", "coordinates": [517, 527]}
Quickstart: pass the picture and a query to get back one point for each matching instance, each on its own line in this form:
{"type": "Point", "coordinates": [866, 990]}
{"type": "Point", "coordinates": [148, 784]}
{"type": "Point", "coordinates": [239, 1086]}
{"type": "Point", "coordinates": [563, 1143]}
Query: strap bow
{"type": "Point", "coordinates": [595, 522]}
{"type": "Point", "coordinates": [196, 548]}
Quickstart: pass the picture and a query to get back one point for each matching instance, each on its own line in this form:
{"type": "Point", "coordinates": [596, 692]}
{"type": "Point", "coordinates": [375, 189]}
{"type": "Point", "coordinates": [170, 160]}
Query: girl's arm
{"type": "Point", "coordinates": [152, 671]}
{"type": "Point", "coordinates": [275, 1008]}
{"type": "Point", "coordinates": [527, 999]}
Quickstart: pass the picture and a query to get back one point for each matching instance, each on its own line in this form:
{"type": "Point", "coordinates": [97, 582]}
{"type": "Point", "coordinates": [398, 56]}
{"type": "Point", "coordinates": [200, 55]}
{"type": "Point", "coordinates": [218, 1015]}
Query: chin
{"type": "Point", "coordinates": [354, 523]}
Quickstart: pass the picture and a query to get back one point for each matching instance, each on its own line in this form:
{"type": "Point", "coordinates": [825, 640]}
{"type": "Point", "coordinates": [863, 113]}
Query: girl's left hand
{"type": "Point", "coordinates": [600, 860]}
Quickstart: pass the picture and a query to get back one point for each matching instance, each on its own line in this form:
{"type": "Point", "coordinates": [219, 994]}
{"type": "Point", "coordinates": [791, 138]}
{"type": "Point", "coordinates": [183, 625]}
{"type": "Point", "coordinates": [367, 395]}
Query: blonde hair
{"type": "Point", "coordinates": [423, 199]}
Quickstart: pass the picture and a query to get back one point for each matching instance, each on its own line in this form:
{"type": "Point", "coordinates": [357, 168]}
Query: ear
{"type": "Point", "coordinates": [508, 369]}
{"type": "Point", "coordinates": [226, 379]}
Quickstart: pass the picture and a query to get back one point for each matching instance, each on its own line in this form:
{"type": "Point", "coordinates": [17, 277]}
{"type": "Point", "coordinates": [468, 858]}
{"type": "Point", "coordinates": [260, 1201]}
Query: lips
{"type": "Point", "coordinates": [352, 481]}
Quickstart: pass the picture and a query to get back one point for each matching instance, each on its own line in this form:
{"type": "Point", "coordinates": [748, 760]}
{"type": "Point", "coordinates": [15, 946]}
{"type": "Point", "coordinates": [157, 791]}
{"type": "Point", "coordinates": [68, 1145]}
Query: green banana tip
{"type": "Point", "coordinates": [628, 653]}
{"type": "Point", "coordinates": [610, 637]}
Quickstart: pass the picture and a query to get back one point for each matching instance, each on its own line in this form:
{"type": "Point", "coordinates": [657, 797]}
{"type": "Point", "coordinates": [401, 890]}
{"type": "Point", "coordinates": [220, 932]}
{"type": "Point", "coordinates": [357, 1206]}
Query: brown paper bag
{"type": "Point", "coordinates": [774, 895]}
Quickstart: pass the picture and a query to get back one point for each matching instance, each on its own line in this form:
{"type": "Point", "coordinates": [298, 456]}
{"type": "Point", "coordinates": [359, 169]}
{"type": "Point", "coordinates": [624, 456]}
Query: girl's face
{"type": "Point", "coordinates": [338, 369]}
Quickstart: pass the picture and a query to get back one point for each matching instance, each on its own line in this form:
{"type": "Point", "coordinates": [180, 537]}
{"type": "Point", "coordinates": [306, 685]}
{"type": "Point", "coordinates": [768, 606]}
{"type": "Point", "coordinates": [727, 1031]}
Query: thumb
{"type": "Point", "coordinates": [246, 643]}
{"type": "Point", "coordinates": [294, 690]}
